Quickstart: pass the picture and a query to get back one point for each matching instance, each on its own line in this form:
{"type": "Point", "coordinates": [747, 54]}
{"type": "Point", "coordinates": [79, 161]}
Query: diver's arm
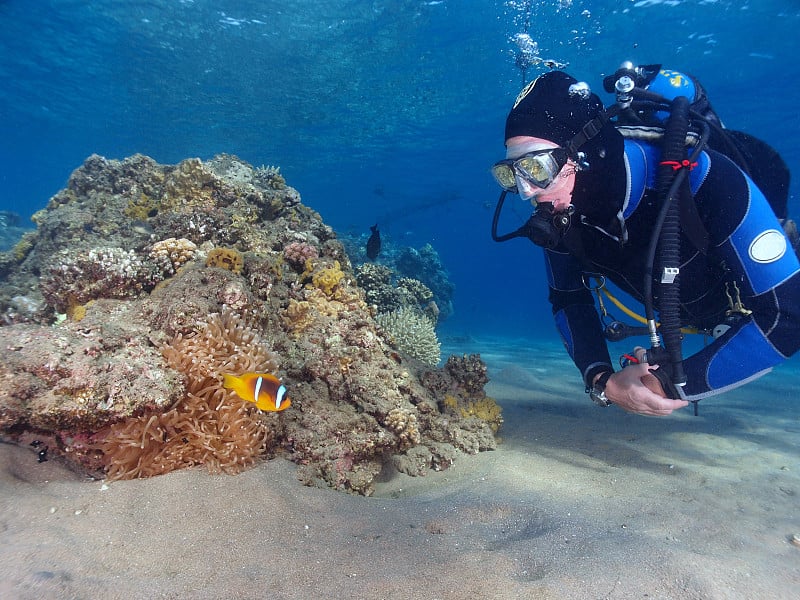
{"type": "Point", "coordinates": [575, 316]}
{"type": "Point", "coordinates": [633, 388]}
{"type": "Point", "coordinates": [748, 237]}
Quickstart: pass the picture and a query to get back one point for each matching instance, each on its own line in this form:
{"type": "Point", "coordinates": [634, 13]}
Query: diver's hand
{"type": "Point", "coordinates": [637, 390]}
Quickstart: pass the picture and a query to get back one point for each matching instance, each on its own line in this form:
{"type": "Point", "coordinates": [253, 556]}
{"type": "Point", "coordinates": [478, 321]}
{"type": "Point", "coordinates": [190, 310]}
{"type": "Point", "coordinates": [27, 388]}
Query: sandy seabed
{"type": "Point", "coordinates": [577, 502]}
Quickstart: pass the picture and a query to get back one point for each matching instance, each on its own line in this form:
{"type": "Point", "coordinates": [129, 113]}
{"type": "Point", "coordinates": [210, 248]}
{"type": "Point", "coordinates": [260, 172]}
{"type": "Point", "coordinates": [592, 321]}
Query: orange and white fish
{"type": "Point", "coordinates": [264, 390]}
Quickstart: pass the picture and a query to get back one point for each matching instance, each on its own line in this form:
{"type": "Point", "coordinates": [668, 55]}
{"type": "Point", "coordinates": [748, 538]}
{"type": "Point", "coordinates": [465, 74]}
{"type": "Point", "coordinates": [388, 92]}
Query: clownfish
{"type": "Point", "coordinates": [264, 390]}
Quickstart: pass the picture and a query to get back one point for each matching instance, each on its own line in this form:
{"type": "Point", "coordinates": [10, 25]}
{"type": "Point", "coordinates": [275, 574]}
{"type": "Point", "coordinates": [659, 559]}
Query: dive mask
{"type": "Point", "coordinates": [539, 168]}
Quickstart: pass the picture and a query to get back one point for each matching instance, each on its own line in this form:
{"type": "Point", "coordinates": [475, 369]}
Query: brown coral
{"type": "Point", "coordinates": [210, 425]}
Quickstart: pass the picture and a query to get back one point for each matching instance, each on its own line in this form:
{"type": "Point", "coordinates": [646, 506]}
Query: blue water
{"type": "Point", "coordinates": [384, 110]}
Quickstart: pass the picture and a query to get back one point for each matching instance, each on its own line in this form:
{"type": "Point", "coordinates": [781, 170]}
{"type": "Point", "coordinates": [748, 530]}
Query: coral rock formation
{"type": "Point", "coordinates": [129, 380]}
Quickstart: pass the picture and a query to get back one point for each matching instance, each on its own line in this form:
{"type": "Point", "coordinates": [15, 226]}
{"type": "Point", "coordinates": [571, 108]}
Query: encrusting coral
{"type": "Point", "coordinates": [210, 425]}
{"type": "Point", "coordinates": [100, 272]}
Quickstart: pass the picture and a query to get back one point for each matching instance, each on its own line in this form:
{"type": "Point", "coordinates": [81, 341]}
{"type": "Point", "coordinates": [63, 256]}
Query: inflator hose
{"type": "Point", "coordinates": [671, 184]}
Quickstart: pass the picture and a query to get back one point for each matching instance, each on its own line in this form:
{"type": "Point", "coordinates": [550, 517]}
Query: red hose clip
{"type": "Point", "coordinates": [676, 165]}
{"type": "Point", "coordinates": [628, 359]}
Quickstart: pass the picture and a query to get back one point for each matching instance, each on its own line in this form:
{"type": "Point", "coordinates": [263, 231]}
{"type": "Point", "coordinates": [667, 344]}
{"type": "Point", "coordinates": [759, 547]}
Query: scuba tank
{"type": "Point", "coordinates": [760, 161]}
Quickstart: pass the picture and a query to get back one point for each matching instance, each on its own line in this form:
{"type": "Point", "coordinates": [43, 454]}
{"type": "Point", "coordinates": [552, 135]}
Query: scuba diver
{"type": "Point", "coordinates": [683, 215]}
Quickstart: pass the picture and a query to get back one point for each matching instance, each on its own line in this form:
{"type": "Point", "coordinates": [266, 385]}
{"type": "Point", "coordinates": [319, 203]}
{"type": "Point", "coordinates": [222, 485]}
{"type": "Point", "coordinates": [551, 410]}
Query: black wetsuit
{"type": "Point", "coordinates": [747, 248]}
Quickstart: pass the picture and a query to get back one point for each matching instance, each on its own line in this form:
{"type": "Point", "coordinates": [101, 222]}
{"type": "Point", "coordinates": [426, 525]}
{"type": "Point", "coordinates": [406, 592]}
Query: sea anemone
{"type": "Point", "coordinates": [209, 425]}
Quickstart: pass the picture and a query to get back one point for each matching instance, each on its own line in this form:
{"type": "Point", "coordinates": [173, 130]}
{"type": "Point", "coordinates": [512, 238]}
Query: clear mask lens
{"type": "Point", "coordinates": [504, 175]}
{"type": "Point", "coordinates": [538, 169]}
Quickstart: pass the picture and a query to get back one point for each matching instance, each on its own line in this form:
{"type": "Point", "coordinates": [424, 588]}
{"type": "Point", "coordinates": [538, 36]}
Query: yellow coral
{"type": "Point", "coordinates": [225, 258]}
{"type": "Point", "coordinates": [24, 246]}
{"type": "Point", "coordinates": [141, 208]}
{"type": "Point", "coordinates": [75, 311]}
{"type": "Point", "coordinates": [327, 279]}
{"type": "Point", "coordinates": [451, 401]}
{"type": "Point", "coordinates": [487, 410]}
{"type": "Point", "coordinates": [298, 315]}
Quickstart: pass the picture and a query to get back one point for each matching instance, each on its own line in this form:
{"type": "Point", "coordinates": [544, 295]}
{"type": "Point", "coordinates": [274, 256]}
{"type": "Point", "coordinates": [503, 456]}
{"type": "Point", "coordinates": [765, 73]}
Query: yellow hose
{"type": "Point", "coordinates": [637, 317]}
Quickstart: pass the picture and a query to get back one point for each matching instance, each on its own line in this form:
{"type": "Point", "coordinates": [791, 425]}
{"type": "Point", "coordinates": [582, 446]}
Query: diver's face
{"type": "Point", "coordinates": [559, 193]}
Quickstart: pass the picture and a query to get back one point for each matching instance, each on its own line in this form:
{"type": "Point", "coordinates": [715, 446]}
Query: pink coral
{"type": "Point", "coordinates": [297, 253]}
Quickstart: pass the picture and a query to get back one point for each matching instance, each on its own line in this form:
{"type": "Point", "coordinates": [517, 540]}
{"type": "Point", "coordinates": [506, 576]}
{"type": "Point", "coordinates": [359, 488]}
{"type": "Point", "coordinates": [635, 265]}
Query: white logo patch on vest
{"type": "Point", "coordinates": [768, 246]}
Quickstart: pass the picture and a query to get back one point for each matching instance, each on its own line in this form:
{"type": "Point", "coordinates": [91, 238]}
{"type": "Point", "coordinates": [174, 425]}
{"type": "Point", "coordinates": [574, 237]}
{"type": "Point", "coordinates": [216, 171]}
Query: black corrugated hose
{"type": "Point", "coordinates": [671, 184]}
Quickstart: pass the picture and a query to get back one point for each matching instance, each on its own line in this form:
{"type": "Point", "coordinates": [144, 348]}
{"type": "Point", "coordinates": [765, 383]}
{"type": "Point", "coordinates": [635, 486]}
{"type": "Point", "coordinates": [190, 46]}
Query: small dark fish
{"type": "Point", "coordinates": [42, 455]}
{"type": "Point", "coordinates": [374, 243]}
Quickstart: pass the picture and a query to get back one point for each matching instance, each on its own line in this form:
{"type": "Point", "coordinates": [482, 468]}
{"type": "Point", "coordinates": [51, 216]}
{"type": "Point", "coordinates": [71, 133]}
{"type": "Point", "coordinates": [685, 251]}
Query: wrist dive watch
{"type": "Point", "coordinates": [598, 391]}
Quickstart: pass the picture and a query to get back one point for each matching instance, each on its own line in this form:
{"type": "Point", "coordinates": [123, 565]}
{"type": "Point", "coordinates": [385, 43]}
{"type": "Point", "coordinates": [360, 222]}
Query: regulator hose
{"type": "Point", "coordinates": [671, 184]}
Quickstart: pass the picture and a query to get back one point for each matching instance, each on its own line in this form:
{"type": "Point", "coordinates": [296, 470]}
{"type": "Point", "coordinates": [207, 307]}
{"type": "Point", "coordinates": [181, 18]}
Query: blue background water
{"type": "Point", "coordinates": [384, 110]}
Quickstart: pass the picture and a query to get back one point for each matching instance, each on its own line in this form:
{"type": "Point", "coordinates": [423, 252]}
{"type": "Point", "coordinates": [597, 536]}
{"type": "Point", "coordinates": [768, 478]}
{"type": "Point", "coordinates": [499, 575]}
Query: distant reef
{"type": "Point", "coordinates": [143, 284]}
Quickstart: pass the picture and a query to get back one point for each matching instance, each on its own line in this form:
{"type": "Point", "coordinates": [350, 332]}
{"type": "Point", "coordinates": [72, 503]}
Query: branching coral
{"type": "Point", "coordinates": [412, 334]}
{"type": "Point", "coordinates": [210, 425]}
{"type": "Point", "coordinates": [417, 291]}
{"type": "Point", "coordinates": [270, 176]}
{"type": "Point", "coordinates": [404, 424]}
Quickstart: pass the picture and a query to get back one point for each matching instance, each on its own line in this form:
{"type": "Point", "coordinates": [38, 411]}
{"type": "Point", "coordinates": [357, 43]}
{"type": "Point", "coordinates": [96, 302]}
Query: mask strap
{"type": "Point", "coordinates": [590, 130]}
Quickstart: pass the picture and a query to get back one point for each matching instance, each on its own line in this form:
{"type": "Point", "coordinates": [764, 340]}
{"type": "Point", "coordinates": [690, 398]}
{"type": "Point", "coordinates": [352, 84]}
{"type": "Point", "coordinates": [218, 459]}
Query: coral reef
{"type": "Point", "coordinates": [422, 269]}
{"type": "Point", "coordinates": [129, 382]}
{"type": "Point", "coordinates": [65, 383]}
{"type": "Point", "coordinates": [11, 230]}
{"type": "Point", "coordinates": [413, 334]}
{"type": "Point", "coordinates": [426, 266]}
